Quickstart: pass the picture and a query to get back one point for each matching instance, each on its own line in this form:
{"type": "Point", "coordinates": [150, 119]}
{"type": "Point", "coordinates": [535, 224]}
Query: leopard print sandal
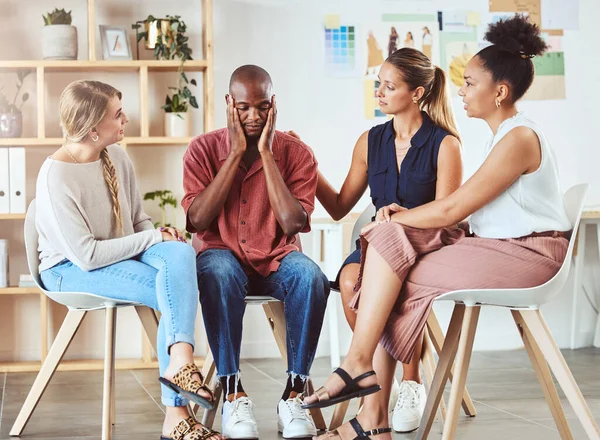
{"type": "Point", "coordinates": [185, 431]}
{"type": "Point", "coordinates": [184, 384]}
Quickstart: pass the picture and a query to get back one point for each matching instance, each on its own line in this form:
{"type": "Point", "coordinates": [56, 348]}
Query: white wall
{"type": "Point", "coordinates": [284, 36]}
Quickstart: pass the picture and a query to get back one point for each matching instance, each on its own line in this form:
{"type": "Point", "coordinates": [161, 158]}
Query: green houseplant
{"type": "Point", "coordinates": [59, 37]}
{"type": "Point", "coordinates": [168, 39]}
{"type": "Point", "coordinates": [11, 118]}
{"type": "Point", "coordinates": [165, 198]}
{"type": "Point", "coordinates": [177, 103]}
{"type": "Point", "coordinates": [166, 36]}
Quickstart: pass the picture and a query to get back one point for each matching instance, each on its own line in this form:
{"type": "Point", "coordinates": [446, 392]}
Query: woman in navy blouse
{"type": "Point", "coordinates": [412, 159]}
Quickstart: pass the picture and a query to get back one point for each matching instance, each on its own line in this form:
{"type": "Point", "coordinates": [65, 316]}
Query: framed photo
{"type": "Point", "coordinates": [115, 43]}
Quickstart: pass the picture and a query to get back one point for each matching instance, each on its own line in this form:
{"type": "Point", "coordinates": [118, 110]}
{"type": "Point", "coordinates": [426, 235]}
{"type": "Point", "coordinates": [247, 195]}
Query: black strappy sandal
{"type": "Point", "coordinates": [350, 391]}
{"type": "Point", "coordinates": [360, 432]}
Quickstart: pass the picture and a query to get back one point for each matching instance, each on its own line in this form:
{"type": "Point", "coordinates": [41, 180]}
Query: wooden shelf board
{"type": "Point", "coordinates": [20, 291]}
{"type": "Point", "coordinates": [83, 365]}
{"type": "Point", "coordinates": [12, 216]}
{"type": "Point", "coordinates": [86, 65]}
{"type": "Point", "coordinates": [129, 141]}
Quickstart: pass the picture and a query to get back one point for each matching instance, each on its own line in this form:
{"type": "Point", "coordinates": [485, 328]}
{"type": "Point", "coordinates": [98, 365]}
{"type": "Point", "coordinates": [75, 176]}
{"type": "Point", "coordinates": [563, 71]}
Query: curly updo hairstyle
{"type": "Point", "coordinates": [514, 41]}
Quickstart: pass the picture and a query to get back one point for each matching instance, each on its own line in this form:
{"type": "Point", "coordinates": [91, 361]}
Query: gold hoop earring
{"type": "Point", "coordinates": [94, 139]}
{"type": "Point", "coordinates": [415, 100]}
{"type": "Point", "coordinates": [497, 103]}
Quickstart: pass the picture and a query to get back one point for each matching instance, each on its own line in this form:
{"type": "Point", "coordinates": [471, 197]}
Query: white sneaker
{"type": "Point", "coordinates": [409, 406]}
{"type": "Point", "coordinates": [394, 395]}
{"type": "Point", "coordinates": [238, 419]}
{"type": "Point", "coordinates": [293, 421]}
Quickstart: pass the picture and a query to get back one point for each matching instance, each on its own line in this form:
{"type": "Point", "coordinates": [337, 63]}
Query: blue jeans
{"type": "Point", "coordinates": [162, 277]}
{"type": "Point", "coordinates": [223, 285]}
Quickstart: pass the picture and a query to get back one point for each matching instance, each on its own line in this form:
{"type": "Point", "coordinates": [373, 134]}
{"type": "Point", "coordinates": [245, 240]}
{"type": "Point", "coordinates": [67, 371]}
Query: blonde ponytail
{"type": "Point", "coordinates": [437, 104]}
{"type": "Point", "coordinates": [110, 177]}
{"type": "Point", "coordinates": [417, 70]}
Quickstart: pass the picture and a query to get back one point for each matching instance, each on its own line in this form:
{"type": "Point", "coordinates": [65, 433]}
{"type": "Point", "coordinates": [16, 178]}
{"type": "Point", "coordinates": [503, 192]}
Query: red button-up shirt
{"type": "Point", "coordinates": [247, 225]}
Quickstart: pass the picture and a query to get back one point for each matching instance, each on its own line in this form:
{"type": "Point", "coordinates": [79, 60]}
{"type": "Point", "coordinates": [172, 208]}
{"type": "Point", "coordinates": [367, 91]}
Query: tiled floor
{"type": "Point", "coordinates": [502, 384]}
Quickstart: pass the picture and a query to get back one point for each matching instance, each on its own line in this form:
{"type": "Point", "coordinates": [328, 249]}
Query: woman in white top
{"type": "Point", "coordinates": [409, 257]}
{"type": "Point", "coordinates": [96, 238]}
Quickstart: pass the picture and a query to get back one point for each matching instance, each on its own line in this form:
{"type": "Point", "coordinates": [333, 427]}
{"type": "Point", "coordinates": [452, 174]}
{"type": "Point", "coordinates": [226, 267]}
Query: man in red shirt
{"type": "Point", "coordinates": [249, 190]}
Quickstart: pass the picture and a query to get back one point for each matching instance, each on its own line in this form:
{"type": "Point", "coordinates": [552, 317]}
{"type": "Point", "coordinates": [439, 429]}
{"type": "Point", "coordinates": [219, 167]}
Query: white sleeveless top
{"type": "Point", "coordinates": [533, 203]}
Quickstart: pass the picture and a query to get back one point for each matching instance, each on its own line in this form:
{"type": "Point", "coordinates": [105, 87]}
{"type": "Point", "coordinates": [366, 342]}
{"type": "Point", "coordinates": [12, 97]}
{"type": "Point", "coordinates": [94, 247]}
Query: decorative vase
{"type": "Point", "coordinates": [160, 27]}
{"type": "Point", "coordinates": [177, 125]}
{"type": "Point", "coordinates": [59, 42]}
{"type": "Point", "coordinates": [11, 125]}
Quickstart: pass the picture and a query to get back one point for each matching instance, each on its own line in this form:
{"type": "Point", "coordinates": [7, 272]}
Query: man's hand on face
{"type": "Point", "coordinates": [237, 138]}
{"type": "Point", "coordinates": [265, 143]}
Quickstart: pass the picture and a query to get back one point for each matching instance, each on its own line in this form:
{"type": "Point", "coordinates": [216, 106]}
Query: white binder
{"type": "Point", "coordinates": [16, 159]}
{"type": "Point", "coordinates": [4, 182]}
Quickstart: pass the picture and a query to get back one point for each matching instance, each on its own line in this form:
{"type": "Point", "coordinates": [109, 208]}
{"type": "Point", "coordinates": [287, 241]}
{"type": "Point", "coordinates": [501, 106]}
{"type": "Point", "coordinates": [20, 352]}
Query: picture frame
{"type": "Point", "coordinates": [115, 43]}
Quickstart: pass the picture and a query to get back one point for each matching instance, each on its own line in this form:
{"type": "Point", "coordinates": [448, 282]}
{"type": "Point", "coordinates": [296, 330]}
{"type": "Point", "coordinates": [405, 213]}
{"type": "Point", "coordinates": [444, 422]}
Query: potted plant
{"type": "Point", "coordinates": [165, 198]}
{"type": "Point", "coordinates": [167, 37]}
{"type": "Point", "coordinates": [177, 122]}
{"type": "Point", "coordinates": [59, 38]}
{"type": "Point", "coordinates": [11, 117]}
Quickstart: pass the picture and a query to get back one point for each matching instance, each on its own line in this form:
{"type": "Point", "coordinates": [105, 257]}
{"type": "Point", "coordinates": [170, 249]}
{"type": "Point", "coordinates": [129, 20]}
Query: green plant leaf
{"type": "Point", "coordinates": [193, 102]}
{"type": "Point", "coordinates": [184, 76]}
{"type": "Point", "coordinates": [193, 81]}
{"type": "Point", "coordinates": [25, 97]}
{"type": "Point", "coordinates": [175, 102]}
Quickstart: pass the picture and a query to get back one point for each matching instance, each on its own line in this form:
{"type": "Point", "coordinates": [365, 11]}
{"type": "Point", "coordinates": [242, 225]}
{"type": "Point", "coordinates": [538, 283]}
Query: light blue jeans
{"type": "Point", "coordinates": [163, 277]}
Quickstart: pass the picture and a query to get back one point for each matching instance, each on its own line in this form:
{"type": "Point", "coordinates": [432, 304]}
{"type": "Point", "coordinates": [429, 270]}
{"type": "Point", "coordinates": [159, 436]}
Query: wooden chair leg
{"type": "Point", "coordinates": [544, 377]}
{"type": "Point", "coordinates": [208, 418]}
{"type": "Point", "coordinates": [316, 413]}
{"type": "Point", "coordinates": [113, 400]}
{"type": "Point", "coordinates": [276, 317]}
{"type": "Point", "coordinates": [437, 338]}
{"type": "Point", "coordinates": [442, 371]}
{"type": "Point", "coordinates": [536, 326]}
{"type": "Point", "coordinates": [58, 349]}
{"type": "Point", "coordinates": [428, 360]}
{"type": "Point", "coordinates": [109, 360]}
{"type": "Point", "coordinates": [463, 358]}
{"type": "Point", "coordinates": [338, 415]}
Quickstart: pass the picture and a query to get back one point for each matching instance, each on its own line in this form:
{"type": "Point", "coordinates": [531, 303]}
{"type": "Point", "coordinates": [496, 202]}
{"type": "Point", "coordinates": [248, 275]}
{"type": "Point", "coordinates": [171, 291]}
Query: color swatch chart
{"type": "Point", "coordinates": [340, 49]}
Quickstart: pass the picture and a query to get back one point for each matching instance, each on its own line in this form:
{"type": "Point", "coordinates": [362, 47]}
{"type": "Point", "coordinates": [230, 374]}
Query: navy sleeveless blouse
{"type": "Point", "coordinates": [416, 182]}
{"type": "Point", "coordinates": [414, 185]}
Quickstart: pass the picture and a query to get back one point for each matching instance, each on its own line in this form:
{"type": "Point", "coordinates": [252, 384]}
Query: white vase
{"type": "Point", "coordinates": [59, 42]}
{"type": "Point", "coordinates": [177, 125]}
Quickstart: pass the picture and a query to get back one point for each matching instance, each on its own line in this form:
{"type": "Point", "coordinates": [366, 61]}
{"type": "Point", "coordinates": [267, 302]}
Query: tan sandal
{"type": "Point", "coordinates": [188, 387]}
{"type": "Point", "coordinates": [185, 431]}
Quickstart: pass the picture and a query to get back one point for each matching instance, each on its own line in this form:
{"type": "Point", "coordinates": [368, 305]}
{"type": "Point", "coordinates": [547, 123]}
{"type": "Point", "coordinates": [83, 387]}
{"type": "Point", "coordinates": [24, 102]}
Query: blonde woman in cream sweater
{"type": "Point", "coordinates": [95, 237]}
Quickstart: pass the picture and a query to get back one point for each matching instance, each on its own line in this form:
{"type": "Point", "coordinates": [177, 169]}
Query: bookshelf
{"type": "Point", "coordinates": [143, 68]}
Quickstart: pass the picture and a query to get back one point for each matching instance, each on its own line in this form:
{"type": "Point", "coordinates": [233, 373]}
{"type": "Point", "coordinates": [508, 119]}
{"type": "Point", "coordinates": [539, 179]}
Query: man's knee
{"type": "Point", "coordinates": [307, 272]}
{"type": "Point", "coordinates": [219, 272]}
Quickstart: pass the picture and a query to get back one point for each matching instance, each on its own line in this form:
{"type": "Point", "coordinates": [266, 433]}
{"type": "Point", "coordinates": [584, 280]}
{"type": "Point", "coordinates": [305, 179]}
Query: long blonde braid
{"type": "Point", "coordinates": [110, 177]}
{"type": "Point", "coordinates": [83, 105]}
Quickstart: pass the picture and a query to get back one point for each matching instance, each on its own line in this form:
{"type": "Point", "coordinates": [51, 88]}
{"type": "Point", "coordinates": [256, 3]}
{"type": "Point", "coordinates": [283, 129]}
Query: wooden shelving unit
{"type": "Point", "coordinates": [143, 68]}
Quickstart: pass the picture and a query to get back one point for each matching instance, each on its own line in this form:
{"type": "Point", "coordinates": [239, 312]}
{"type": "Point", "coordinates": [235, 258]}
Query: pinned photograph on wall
{"type": "Point", "coordinates": [419, 31]}
{"type": "Point", "coordinates": [372, 110]}
{"type": "Point", "coordinates": [456, 50]}
{"type": "Point", "coordinates": [115, 43]}
{"type": "Point", "coordinates": [532, 8]}
{"type": "Point", "coordinates": [549, 81]}
{"type": "Point", "coordinates": [340, 47]}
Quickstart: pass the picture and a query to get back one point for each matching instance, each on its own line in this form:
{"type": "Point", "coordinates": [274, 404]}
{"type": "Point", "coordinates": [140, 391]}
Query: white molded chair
{"type": "Point", "coordinates": [432, 341]}
{"type": "Point", "coordinates": [79, 304]}
{"type": "Point", "coordinates": [539, 343]}
{"type": "Point", "coordinates": [274, 312]}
